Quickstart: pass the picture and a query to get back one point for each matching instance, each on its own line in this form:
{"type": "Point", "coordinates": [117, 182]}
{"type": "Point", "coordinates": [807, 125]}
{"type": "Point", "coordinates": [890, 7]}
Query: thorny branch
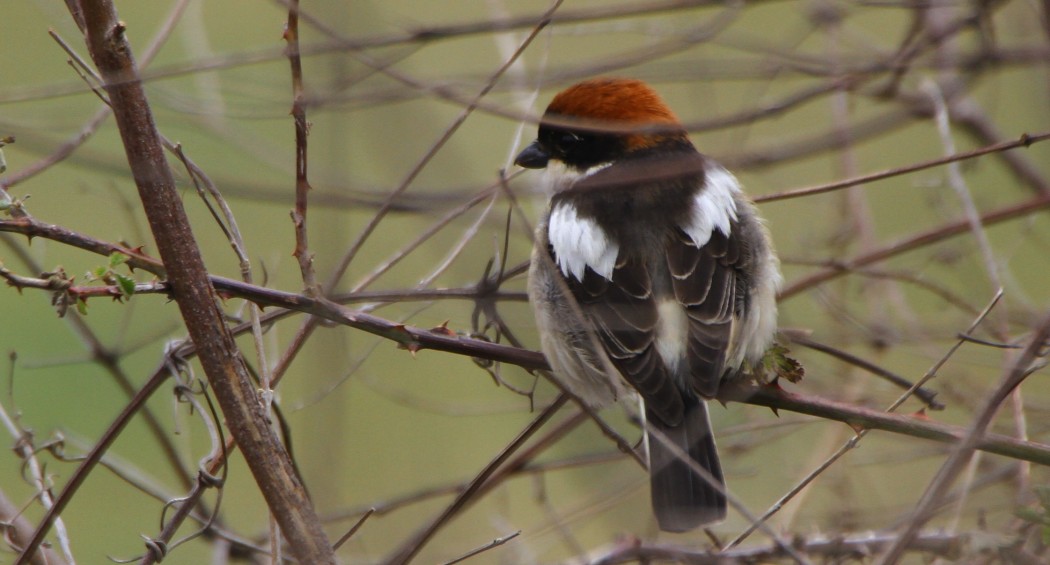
{"type": "Point", "coordinates": [1029, 361]}
{"type": "Point", "coordinates": [885, 77]}
{"type": "Point", "coordinates": [280, 485]}
{"type": "Point", "coordinates": [302, 130]}
{"type": "Point", "coordinates": [855, 547]}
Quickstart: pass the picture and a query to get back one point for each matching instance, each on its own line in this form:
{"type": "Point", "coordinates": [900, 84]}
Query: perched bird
{"type": "Point", "coordinates": [651, 270]}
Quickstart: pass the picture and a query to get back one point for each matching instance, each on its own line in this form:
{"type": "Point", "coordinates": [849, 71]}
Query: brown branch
{"type": "Point", "coordinates": [353, 529]}
{"type": "Point", "coordinates": [413, 546]}
{"type": "Point", "coordinates": [196, 298]}
{"type": "Point", "coordinates": [109, 359]}
{"type": "Point", "coordinates": [925, 395]}
{"type": "Point", "coordinates": [834, 549]}
{"type": "Point", "coordinates": [302, 184]}
{"type": "Point", "coordinates": [407, 336]}
{"type": "Point", "coordinates": [478, 550]}
{"type": "Point", "coordinates": [968, 114]}
{"type": "Point", "coordinates": [67, 148]}
{"type": "Point", "coordinates": [78, 292]}
{"type": "Point", "coordinates": [1024, 141]}
{"type": "Point", "coordinates": [971, 441]}
{"type": "Point", "coordinates": [859, 417]}
{"type": "Point", "coordinates": [416, 339]}
{"type": "Point", "coordinates": [919, 240]}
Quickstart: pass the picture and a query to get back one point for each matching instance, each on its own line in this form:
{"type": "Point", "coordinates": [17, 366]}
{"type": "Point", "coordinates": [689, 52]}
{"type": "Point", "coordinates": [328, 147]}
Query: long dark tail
{"type": "Point", "coordinates": [682, 499]}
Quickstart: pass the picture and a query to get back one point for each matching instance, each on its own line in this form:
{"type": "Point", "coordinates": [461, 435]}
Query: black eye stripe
{"type": "Point", "coordinates": [569, 139]}
{"type": "Point", "coordinates": [566, 141]}
{"type": "Point", "coordinates": [579, 149]}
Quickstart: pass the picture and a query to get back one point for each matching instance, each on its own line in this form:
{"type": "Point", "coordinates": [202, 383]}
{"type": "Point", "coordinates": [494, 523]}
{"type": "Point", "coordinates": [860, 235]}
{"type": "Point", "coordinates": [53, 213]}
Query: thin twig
{"type": "Point", "coordinates": [917, 241]}
{"type": "Point", "coordinates": [415, 543]}
{"type": "Point", "coordinates": [927, 396]}
{"type": "Point", "coordinates": [353, 529]}
{"type": "Point", "coordinates": [970, 441]}
{"type": "Point", "coordinates": [302, 129]}
{"type": "Point", "coordinates": [1023, 141]}
{"type": "Point", "coordinates": [835, 549]}
{"type": "Point", "coordinates": [417, 338]}
{"type": "Point", "coordinates": [373, 223]}
{"type": "Point", "coordinates": [479, 550]}
{"type": "Point", "coordinates": [861, 432]}
{"type": "Point", "coordinates": [24, 448]}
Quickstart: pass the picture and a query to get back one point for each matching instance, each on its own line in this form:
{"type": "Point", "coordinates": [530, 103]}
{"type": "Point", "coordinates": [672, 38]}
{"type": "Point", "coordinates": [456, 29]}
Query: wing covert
{"type": "Point", "coordinates": [705, 281]}
{"type": "Point", "coordinates": [623, 313]}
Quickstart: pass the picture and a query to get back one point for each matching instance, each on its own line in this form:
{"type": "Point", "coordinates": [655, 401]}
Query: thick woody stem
{"type": "Point", "coordinates": [196, 298]}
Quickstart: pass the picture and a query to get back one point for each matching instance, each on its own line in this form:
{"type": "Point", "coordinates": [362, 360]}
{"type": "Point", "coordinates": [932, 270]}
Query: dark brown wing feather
{"type": "Point", "coordinates": [705, 280]}
{"type": "Point", "coordinates": [624, 316]}
{"type": "Point", "coordinates": [623, 313]}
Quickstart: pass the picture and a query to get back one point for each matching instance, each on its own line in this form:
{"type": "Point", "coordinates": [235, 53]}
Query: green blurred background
{"type": "Point", "coordinates": [370, 422]}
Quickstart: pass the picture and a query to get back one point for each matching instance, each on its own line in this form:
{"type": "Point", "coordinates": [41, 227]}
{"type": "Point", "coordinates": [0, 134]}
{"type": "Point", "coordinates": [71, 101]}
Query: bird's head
{"type": "Point", "coordinates": [599, 121]}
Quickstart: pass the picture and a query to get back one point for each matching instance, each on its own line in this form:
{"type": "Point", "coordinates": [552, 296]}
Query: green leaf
{"type": "Point", "coordinates": [82, 307]}
{"type": "Point", "coordinates": [127, 284]}
{"type": "Point", "coordinates": [776, 363]}
{"type": "Point", "coordinates": [117, 259]}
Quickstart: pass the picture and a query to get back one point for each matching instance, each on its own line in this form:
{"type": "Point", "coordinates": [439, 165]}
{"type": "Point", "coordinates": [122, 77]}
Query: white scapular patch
{"type": "Point", "coordinates": [672, 333]}
{"type": "Point", "coordinates": [714, 206]}
{"type": "Point", "coordinates": [580, 243]}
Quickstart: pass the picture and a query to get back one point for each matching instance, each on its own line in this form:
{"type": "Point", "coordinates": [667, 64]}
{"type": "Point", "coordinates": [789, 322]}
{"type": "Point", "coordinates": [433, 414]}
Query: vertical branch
{"type": "Point", "coordinates": [197, 300]}
{"type": "Point", "coordinates": [302, 188]}
{"type": "Point", "coordinates": [302, 130]}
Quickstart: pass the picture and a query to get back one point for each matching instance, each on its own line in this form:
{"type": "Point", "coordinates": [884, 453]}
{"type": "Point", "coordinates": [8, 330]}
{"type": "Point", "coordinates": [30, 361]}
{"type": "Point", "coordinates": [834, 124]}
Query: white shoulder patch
{"type": "Point", "coordinates": [580, 243]}
{"type": "Point", "coordinates": [714, 206]}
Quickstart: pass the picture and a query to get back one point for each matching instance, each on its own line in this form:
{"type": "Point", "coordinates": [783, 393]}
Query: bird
{"type": "Point", "coordinates": [652, 275]}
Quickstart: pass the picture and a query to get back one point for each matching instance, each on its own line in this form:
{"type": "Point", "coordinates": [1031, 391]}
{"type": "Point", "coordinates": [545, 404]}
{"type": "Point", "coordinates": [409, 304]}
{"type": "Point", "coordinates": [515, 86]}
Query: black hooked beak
{"type": "Point", "coordinates": [533, 157]}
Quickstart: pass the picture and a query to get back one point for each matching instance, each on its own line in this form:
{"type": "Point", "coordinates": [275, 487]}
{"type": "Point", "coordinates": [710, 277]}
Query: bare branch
{"type": "Point", "coordinates": [195, 296]}
{"type": "Point", "coordinates": [1030, 360]}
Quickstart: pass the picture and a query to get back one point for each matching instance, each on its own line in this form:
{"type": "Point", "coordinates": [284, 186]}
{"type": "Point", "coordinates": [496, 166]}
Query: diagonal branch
{"type": "Point", "coordinates": [1030, 360]}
